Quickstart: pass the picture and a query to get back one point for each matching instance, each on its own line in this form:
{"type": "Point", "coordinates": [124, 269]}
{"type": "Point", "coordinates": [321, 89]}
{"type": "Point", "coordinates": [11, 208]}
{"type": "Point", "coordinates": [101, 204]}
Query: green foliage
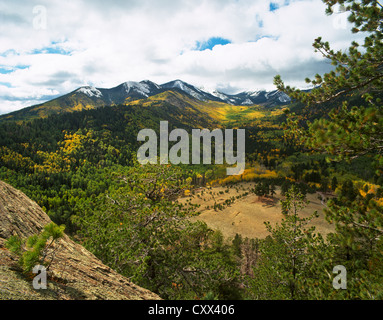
{"type": "Point", "coordinates": [354, 69]}
{"type": "Point", "coordinates": [14, 244]}
{"type": "Point", "coordinates": [68, 159]}
{"type": "Point", "coordinates": [210, 296]}
{"type": "Point", "coordinates": [34, 250]}
{"type": "Point", "coordinates": [286, 255]}
{"type": "Point", "coordinates": [261, 189]}
{"type": "Point", "coordinates": [140, 231]}
{"type": "Point", "coordinates": [348, 133]}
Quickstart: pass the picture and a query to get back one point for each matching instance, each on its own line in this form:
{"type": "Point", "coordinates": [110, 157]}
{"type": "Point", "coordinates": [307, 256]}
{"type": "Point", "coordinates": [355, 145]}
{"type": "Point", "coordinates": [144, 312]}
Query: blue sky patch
{"type": "Point", "coordinates": [8, 52]}
{"type": "Point", "coordinates": [54, 49]}
{"type": "Point", "coordinates": [273, 6]}
{"type": "Point", "coordinates": [6, 84]}
{"type": "Point", "coordinates": [6, 70]}
{"type": "Point", "coordinates": [211, 43]}
{"type": "Point", "coordinates": [260, 37]}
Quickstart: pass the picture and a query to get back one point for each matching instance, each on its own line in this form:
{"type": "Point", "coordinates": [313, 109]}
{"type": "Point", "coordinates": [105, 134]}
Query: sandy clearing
{"type": "Point", "coordinates": [246, 215]}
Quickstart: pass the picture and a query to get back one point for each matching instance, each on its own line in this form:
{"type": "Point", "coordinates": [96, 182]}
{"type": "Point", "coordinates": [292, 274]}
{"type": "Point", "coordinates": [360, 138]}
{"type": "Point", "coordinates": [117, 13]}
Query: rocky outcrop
{"type": "Point", "coordinates": [75, 274]}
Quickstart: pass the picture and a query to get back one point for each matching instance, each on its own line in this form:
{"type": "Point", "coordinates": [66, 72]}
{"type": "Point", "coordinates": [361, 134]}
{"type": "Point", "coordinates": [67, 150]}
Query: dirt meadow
{"type": "Point", "coordinates": [245, 213]}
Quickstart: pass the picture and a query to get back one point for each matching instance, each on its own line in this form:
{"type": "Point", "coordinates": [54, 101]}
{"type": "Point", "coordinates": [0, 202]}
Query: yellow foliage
{"type": "Point", "coordinates": [53, 162]}
{"type": "Point", "coordinates": [79, 107]}
{"type": "Point", "coordinates": [248, 175]}
{"type": "Point", "coordinates": [371, 189]}
{"type": "Point", "coordinates": [12, 158]}
{"type": "Point", "coordinates": [71, 143]}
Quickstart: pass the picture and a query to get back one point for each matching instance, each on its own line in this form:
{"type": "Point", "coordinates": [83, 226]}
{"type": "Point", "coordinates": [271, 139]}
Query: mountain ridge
{"type": "Point", "coordinates": [147, 88]}
{"type": "Point", "coordinates": [90, 97]}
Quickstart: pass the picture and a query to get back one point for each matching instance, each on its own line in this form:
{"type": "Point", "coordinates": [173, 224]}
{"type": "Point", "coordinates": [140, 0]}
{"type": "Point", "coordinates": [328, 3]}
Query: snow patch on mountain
{"type": "Point", "coordinates": [247, 102]}
{"type": "Point", "coordinates": [284, 98]}
{"type": "Point", "coordinates": [281, 96]}
{"type": "Point", "coordinates": [189, 89]}
{"type": "Point", "coordinates": [90, 91]}
{"type": "Point", "coordinates": [220, 95]}
{"type": "Point", "coordinates": [255, 93]}
{"type": "Point", "coordinates": [138, 87]}
{"type": "Point", "coordinates": [150, 83]}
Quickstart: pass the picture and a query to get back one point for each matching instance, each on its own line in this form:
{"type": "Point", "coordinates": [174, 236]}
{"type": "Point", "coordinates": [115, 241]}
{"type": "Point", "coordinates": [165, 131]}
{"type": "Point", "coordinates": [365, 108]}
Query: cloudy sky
{"type": "Point", "coordinates": [49, 48]}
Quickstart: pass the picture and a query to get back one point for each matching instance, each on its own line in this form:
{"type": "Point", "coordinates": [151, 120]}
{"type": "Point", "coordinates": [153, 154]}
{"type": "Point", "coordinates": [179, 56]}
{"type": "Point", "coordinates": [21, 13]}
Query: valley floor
{"type": "Point", "coordinates": [247, 214]}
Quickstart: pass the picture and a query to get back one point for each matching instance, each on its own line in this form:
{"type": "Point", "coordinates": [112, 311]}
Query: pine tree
{"type": "Point", "coordinates": [37, 249]}
{"type": "Point", "coordinates": [237, 242]}
{"type": "Point", "coordinates": [324, 184]}
{"type": "Point", "coordinates": [286, 255]}
{"type": "Point", "coordinates": [334, 183]}
{"type": "Point", "coordinates": [285, 187]}
{"type": "Point", "coordinates": [272, 190]}
{"type": "Point", "coordinates": [350, 132]}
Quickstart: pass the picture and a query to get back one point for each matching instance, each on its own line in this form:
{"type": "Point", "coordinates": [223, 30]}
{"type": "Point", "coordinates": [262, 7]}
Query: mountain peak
{"type": "Point", "coordinates": [189, 89]}
{"type": "Point", "coordinates": [150, 83]}
{"type": "Point", "coordinates": [175, 84]}
{"type": "Point", "coordinates": [137, 88]}
{"type": "Point", "coordinates": [90, 91]}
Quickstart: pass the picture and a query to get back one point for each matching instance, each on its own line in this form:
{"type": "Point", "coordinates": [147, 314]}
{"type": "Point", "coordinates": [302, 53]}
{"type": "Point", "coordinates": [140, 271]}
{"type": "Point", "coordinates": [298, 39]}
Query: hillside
{"type": "Point", "coordinates": [76, 274]}
{"type": "Point", "coordinates": [213, 113]}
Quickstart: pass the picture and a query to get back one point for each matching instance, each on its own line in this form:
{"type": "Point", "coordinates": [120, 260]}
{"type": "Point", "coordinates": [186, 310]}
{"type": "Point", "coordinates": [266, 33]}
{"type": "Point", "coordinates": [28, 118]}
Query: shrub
{"type": "Point", "coordinates": [35, 250]}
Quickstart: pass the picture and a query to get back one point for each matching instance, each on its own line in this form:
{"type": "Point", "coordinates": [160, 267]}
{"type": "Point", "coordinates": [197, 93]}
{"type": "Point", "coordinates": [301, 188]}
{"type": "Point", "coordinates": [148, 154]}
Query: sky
{"type": "Point", "coordinates": [50, 48]}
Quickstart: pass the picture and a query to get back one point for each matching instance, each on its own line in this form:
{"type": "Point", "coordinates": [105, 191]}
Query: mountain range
{"type": "Point", "coordinates": [144, 89]}
{"type": "Point", "coordinates": [89, 97]}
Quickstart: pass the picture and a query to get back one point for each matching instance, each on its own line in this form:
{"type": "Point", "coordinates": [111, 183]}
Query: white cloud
{"type": "Point", "coordinates": [116, 41]}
